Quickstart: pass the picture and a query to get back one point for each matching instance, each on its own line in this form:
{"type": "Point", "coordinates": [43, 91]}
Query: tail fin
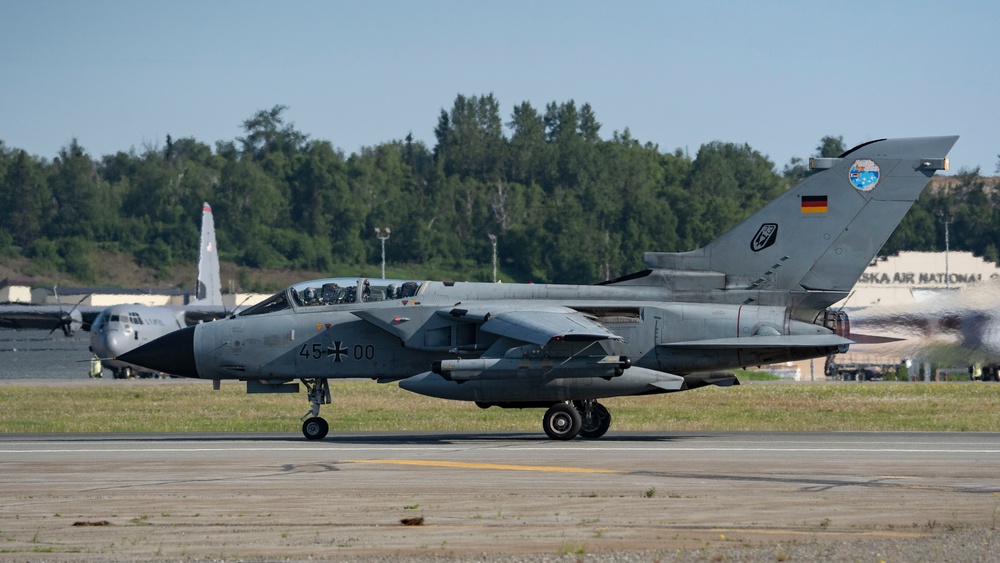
{"type": "Point", "coordinates": [821, 234]}
{"type": "Point", "coordinates": [209, 284]}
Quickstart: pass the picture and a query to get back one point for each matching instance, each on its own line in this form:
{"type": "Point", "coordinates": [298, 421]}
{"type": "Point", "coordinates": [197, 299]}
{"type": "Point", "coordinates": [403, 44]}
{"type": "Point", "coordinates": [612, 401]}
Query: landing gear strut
{"type": "Point", "coordinates": [314, 427]}
{"type": "Point", "coordinates": [588, 418]}
{"type": "Point", "coordinates": [596, 419]}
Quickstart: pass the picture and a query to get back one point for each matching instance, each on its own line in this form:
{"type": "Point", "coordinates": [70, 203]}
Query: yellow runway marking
{"type": "Point", "coordinates": [464, 465]}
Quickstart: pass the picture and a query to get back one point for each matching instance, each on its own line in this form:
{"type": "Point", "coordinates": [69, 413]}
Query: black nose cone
{"type": "Point", "coordinates": [171, 353]}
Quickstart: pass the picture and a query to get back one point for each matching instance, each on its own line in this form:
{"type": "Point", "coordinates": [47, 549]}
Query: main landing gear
{"type": "Point", "coordinates": [562, 421]}
{"type": "Point", "coordinates": [588, 418]}
{"type": "Point", "coordinates": [314, 427]}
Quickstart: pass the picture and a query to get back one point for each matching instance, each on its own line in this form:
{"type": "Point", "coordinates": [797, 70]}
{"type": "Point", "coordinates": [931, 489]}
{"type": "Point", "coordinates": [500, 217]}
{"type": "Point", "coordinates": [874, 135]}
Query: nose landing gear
{"type": "Point", "coordinates": [314, 427]}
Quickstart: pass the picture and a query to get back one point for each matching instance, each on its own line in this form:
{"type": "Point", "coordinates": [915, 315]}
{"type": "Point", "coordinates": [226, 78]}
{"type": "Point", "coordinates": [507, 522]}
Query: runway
{"type": "Point", "coordinates": [279, 495]}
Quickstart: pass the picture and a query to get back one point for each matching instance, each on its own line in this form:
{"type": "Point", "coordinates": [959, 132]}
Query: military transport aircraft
{"type": "Point", "coordinates": [758, 294]}
{"type": "Point", "coordinates": [946, 328]}
{"type": "Point", "coordinates": [117, 329]}
{"type": "Point", "coordinates": [121, 328]}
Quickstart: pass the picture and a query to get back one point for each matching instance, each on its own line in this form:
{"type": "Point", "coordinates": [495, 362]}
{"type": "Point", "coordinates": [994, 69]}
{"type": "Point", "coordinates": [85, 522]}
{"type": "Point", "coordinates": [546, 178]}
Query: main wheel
{"type": "Point", "coordinates": [562, 422]}
{"type": "Point", "coordinates": [315, 428]}
{"type": "Point", "coordinates": [597, 424]}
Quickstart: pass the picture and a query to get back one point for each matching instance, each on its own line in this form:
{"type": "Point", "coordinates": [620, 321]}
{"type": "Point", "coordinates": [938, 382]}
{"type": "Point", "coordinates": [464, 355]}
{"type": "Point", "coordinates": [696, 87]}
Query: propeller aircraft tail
{"type": "Point", "coordinates": [209, 283]}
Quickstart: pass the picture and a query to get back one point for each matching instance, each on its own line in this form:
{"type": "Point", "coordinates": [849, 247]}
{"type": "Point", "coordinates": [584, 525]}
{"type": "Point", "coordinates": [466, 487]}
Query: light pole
{"type": "Point", "coordinates": [378, 235]}
{"type": "Point", "coordinates": [947, 281]}
{"type": "Point", "coordinates": [493, 241]}
{"type": "Point", "coordinates": [946, 219]}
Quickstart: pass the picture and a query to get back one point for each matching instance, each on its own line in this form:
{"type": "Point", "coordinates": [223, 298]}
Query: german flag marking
{"type": "Point", "coordinates": [814, 204]}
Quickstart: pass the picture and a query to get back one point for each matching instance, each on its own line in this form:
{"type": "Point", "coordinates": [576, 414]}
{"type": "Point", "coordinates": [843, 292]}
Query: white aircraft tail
{"type": "Point", "coordinates": [209, 290]}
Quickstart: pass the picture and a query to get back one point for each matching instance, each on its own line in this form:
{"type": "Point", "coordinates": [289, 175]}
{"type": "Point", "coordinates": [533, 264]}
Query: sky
{"type": "Point", "coordinates": [779, 76]}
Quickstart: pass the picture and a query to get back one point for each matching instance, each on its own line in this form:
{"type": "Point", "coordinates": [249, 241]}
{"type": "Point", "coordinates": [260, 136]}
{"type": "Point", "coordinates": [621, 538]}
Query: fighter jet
{"type": "Point", "coordinates": [117, 329]}
{"type": "Point", "coordinates": [758, 294]}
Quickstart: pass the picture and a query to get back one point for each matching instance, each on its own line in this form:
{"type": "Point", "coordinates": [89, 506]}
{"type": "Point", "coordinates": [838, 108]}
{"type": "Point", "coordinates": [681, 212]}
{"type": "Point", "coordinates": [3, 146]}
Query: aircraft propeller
{"type": "Point", "coordinates": [68, 322]}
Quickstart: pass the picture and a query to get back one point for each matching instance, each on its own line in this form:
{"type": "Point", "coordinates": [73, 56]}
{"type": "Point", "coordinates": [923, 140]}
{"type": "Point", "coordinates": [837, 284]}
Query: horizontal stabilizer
{"type": "Point", "coordinates": [794, 341]}
{"type": "Point", "coordinates": [872, 339]}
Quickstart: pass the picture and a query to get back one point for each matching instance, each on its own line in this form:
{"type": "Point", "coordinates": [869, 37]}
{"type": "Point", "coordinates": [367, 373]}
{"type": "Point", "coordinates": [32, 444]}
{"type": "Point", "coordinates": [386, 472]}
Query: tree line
{"type": "Point", "coordinates": [564, 203]}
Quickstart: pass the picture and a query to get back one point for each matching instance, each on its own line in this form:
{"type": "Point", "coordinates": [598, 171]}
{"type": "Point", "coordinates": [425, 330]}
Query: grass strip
{"type": "Point", "coordinates": [192, 406]}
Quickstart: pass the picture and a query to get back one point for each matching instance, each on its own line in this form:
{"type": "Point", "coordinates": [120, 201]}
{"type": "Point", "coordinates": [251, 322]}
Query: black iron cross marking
{"type": "Point", "coordinates": [338, 350]}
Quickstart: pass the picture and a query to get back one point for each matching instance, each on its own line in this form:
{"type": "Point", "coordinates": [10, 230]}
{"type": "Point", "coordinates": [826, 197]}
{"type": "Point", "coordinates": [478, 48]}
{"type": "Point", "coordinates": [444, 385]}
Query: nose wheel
{"type": "Point", "coordinates": [314, 427]}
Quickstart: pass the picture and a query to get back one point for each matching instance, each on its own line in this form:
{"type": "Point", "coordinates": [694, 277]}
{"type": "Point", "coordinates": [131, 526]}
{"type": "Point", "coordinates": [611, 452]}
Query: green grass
{"type": "Point", "coordinates": [745, 375]}
{"type": "Point", "coordinates": [182, 406]}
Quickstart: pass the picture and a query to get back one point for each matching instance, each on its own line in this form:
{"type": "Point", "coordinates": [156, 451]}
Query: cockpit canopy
{"type": "Point", "coordinates": [335, 291]}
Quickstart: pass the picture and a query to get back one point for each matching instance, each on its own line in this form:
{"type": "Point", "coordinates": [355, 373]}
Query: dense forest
{"type": "Point", "coordinates": [564, 203]}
